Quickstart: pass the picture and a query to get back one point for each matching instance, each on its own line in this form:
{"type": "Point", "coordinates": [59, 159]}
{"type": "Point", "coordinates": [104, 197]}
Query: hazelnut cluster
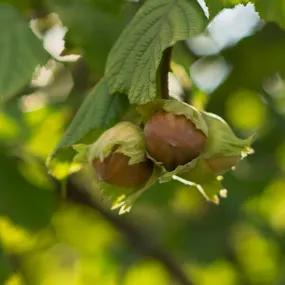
{"type": "Point", "coordinates": [175, 139]}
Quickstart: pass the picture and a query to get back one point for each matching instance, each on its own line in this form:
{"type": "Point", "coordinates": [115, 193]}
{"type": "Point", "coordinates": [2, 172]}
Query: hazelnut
{"type": "Point", "coordinates": [116, 170]}
{"type": "Point", "coordinates": [173, 139]}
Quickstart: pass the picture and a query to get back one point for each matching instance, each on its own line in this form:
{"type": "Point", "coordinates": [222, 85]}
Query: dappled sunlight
{"type": "Point", "coordinates": [14, 238]}
{"type": "Point", "coordinates": [146, 272]}
{"type": "Point", "coordinates": [246, 111]}
{"type": "Point", "coordinates": [212, 274]}
{"type": "Point", "coordinates": [257, 254]}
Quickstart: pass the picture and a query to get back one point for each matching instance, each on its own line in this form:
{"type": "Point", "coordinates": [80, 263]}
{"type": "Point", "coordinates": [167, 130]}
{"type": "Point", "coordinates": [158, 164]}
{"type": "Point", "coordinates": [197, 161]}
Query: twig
{"type": "Point", "coordinates": [137, 239]}
{"type": "Point", "coordinates": [164, 69]}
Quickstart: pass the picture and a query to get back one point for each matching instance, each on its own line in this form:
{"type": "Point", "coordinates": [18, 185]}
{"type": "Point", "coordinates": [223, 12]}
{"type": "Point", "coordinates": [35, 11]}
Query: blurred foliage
{"type": "Point", "coordinates": [17, 41]}
{"type": "Point", "coordinates": [87, 21]}
{"type": "Point", "coordinates": [46, 240]}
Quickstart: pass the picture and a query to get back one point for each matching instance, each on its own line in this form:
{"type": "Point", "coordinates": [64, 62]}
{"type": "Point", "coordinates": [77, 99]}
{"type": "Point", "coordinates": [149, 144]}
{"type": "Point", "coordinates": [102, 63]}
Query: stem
{"type": "Point", "coordinates": [164, 69]}
{"type": "Point", "coordinates": [138, 239]}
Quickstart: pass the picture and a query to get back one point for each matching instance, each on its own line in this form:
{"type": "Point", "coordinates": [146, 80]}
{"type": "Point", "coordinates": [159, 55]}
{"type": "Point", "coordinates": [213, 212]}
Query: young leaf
{"type": "Point", "coordinates": [20, 52]}
{"type": "Point", "coordinates": [159, 24]}
{"type": "Point", "coordinates": [99, 111]}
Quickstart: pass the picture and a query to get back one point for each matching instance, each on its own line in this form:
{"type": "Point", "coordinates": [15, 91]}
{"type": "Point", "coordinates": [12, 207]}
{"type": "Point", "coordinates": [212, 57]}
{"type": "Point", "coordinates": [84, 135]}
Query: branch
{"type": "Point", "coordinates": [137, 239]}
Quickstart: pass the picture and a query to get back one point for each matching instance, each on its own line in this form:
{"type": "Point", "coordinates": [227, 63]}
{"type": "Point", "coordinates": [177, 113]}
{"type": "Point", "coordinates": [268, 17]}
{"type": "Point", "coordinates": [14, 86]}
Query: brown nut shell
{"type": "Point", "coordinates": [173, 139]}
{"type": "Point", "coordinates": [116, 170]}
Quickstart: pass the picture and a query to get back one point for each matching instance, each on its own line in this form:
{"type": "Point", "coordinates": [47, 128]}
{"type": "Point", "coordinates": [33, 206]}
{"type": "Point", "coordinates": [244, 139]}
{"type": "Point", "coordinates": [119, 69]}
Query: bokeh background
{"type": "Point", "coordinates": [235, 68]}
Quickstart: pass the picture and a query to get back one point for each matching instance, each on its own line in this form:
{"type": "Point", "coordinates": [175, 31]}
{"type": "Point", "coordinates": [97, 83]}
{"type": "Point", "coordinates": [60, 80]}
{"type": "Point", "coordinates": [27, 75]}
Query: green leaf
{"type": "Point", "coordinates": [99, 111]}
{"type": "Point", "coordinates": [133, 62]}
{"type": "Point", "coordinates": [20, 52]}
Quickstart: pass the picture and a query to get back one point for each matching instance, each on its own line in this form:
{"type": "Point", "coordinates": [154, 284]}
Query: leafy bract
{"type": "Point", "coordinates": [175, 107]}
{"type": "Point", "coordinates": [99, 111]}
{"type": "Point", "coordinates": [133, 62]}
{"type": "Point", "coordinates": [126, 137]}
{"type": "Point", "coordinates": [222, 140]}
{"type": "Point", "coordinates": [20, 52]}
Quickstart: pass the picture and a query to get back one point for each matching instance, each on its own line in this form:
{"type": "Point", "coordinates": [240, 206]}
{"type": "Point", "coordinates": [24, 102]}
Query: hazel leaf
{"type": "Point", "coordinates": [133, 61]}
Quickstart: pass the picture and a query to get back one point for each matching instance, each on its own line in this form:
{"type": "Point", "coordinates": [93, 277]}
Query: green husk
{"type": "Point", "coordinates": [125, 138]}
{"type": "Point", "coordinates": [221, 143]}
{"type": "Point", "coordinates": [128, 139]}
